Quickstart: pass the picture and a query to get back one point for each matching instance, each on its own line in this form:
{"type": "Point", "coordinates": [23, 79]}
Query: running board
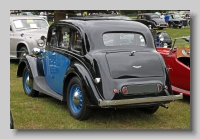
{"type": "Point", "coordinates": [40, 84]}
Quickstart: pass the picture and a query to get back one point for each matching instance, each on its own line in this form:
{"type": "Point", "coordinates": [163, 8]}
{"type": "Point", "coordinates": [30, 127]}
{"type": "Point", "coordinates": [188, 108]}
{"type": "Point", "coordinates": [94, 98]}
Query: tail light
{"type": "Point", "coordinates": [159, 87]}
{"type": "Point", "coordinates": [125, 90]}
{"type": "Point", "coordinates": [115, 91]}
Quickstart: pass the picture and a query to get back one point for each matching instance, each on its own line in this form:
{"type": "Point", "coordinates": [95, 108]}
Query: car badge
{"type": "Point", "coordinates": [137, 67]}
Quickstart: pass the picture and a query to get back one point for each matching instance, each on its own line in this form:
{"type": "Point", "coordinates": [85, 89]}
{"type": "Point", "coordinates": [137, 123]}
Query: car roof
{"type": "Point", "coordinates": [14, 17]}
{"type": "Point", "coordinates": [95, 28]}
{"type": "Point", "coordinates": [104, 23]}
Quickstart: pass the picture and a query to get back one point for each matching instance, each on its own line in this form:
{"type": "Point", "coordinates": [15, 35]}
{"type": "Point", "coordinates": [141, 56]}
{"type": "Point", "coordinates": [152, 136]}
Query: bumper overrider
{"type": "Point", "coordinates": [139, 100]}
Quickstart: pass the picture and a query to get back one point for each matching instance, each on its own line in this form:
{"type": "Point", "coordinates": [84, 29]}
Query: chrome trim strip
{"type": "Point", "coordinates": [139, 100]}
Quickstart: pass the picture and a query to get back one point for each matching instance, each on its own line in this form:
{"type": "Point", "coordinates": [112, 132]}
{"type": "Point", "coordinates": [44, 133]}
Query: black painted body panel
{"type": "Point", "coordinates": [112, 64]}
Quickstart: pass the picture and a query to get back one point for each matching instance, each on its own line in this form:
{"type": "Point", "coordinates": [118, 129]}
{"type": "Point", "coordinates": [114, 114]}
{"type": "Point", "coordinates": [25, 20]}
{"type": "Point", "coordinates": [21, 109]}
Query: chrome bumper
{"type": "Point", "coordinates": [139, 100]}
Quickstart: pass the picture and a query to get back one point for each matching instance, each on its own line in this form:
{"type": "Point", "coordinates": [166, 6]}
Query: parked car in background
{"type": "Point", "coordinates": [98, 64]}
{"type": "Point", "coordinates": [25, 33]}
{"type": "Point", "coordinates": [161, 38]}
{"type": "Point", "coordinates": [176, 20]}
{"type": "Point", "coordinates": [152, 19]}
{"type": "Point", "coordinates": [177, 60]}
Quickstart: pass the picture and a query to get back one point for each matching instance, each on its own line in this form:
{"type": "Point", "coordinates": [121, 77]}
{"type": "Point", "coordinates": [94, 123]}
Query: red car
{"type": "Point", "coordinates": [177, 60]}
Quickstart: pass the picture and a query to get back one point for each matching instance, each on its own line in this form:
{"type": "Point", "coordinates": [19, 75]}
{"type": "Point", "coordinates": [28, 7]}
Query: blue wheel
{"type": "Point", "coordinates": [27, 81]}
{"type": "Point", "coordinates": [76, 100]}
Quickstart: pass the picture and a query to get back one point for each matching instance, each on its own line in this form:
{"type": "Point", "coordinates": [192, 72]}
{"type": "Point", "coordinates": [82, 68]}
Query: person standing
{"type": "Point", "coordinates": [167, 18]}
{"type": "Point", "coordinates": [162, 16]}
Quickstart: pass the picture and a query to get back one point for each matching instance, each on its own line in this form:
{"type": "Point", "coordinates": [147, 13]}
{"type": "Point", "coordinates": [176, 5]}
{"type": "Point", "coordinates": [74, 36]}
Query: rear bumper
{"type": "Point", "coordinates": [139, 100]}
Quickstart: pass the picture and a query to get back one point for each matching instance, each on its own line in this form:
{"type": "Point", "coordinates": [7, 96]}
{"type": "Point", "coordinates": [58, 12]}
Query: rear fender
{"type": "Point", "coordinates": [91, 91]}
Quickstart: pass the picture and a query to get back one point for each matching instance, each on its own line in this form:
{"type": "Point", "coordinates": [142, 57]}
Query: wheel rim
{"type": "Point", "coordinates": [26, 78]}
{"type": "Point", "coordinates": [75, 98]}
{"type": "Point", "coordinates": [22, 53]}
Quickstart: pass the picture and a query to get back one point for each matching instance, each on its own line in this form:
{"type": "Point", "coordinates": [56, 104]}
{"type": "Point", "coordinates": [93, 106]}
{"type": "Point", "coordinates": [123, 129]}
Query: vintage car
{"type": "Point", "coordinates": [25, 33]}
{"type": "Point", "coordinates": [161, 39]}
{"type": "Point", "coordinates": [152, 19]}
{"type": "Point", "coordinates": [176, 21]}
{"type": "Point", "coordinates": [177, 60]}
{"type": "Point", "coordinates": [98, 64]}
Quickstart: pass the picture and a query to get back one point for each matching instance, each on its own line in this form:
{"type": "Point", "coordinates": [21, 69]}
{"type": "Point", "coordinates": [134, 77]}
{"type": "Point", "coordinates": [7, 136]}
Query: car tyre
{"type": "Point", "coordinates": [27, 87]}
{"type": "Point", "coordinates": [76, 100]}
{"type": "Point", "coordinates": [150, 110]}
{"type": "Point", "coordinates": [171, 26]}
{"type": "Point", "coordinates": [23, 50]}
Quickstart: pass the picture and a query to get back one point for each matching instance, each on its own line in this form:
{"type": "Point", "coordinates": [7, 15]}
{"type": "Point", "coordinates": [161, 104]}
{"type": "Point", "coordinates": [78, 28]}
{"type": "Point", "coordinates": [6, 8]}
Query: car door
{"type": "Point", "coordinates": [69, 42]}
{"type": "Point", "coordinates": [56, 59]}
{"type": "Point", "coordinates": [60, 55]}
{"type": "Point", "coordinates": [179, 78]}
{"type": "Point", "coordinates": [49, 58]}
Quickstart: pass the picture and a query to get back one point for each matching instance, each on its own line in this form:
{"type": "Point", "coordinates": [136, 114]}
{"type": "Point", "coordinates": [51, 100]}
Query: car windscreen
{"type": "Point", "coordinates": [30, 23]}
{"type": "Point", "coordinates": [123, 39]}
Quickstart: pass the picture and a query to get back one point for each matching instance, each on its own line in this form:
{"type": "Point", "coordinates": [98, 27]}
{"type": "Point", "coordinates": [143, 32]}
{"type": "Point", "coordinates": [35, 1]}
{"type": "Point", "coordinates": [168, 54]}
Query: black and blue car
{"type": "Point", "coordinates": [101, 63]}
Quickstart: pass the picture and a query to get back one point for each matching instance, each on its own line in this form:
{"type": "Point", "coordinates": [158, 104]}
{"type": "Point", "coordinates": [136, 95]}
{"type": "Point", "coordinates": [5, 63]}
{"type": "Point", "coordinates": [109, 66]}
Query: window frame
{"type": "Point", "coordinates": [59, 36]}
{"type": "Point", "coordinates": [72, 40]}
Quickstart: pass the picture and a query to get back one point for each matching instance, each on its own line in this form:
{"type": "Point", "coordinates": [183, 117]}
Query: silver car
{"type": "Point", "coordinates": [25, 34]}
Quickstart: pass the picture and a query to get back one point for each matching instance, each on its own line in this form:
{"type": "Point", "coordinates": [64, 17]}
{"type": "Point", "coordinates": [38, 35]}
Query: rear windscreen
{"type": "Point", "coordinates": [123, 39]}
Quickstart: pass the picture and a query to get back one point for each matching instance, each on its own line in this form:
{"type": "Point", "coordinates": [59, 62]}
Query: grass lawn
{"type": "Point", "coordinates": [45, 112]}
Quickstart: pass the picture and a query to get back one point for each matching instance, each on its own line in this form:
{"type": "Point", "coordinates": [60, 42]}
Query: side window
{"type": "Point", "coordinates": [64, 37]}
{"type": "Point", "coordinates": [52, 38]}
{"type": "Point", "coordinates": [77, 41]}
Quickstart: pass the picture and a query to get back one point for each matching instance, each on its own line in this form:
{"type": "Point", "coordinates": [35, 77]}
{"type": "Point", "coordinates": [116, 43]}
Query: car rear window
{"type": "Point", "coordinates": [123, 39]}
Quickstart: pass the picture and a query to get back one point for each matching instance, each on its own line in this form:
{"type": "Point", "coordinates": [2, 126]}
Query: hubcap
{"type": "Point", "coordinates": [29, 82]}
{"type": "Point", "coordinates": [75, 99]}
{"type": "Point", "coordinates": [26, 82]}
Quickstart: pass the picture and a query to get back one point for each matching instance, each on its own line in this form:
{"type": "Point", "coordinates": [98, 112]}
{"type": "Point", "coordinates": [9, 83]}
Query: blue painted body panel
{"type": "Point", "coordinates": [55, 66]}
